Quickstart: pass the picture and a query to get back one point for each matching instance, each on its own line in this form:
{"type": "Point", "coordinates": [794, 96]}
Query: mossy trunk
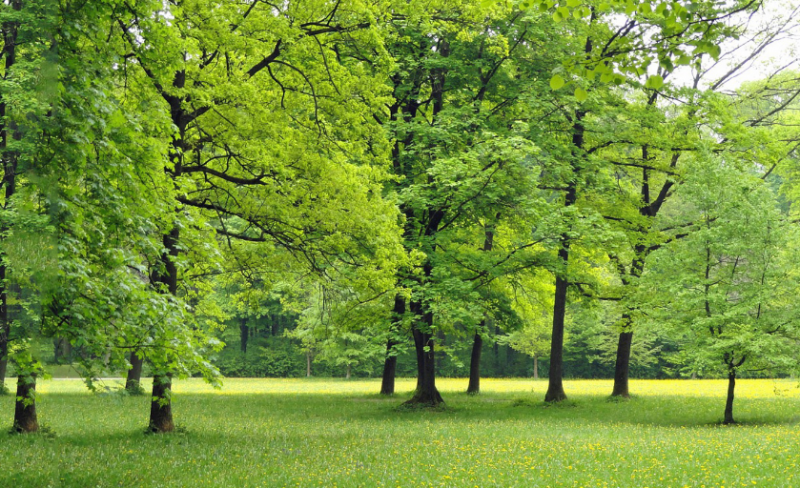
{"type": "Point", "coordinates": [161, 406]}
{"type": "Point", "coordinates": [475, 366]}
{"type": "Point", "coordinates": [25, 420]}
{"type": "Point", "coordinates": [622, 367]}
{"type": "Point", "coordinates": [134, 378]}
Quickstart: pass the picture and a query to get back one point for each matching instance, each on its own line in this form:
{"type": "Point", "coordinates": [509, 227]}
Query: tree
{"type": "Point", "coordinates": [730, 285]}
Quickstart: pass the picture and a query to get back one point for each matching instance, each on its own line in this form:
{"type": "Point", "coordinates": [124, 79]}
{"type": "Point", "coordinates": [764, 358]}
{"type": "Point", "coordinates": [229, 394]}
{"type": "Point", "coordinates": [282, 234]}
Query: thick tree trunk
{"type": "Point", "coordinates": [244, 334]}
{"type": "Point", "coordinates": [308, 364]}
{"type": "Point", "coordinates": [622, 367]}
{"type": "Point", "coordinates": [475, 366]}
{"type": "Point", "coordinates": [555, 387]}
{"type": "Point", "coordinates": [161, 406]}
{"type": "Point", "coordinates": [426, 393]}
{"type": "Point", "coordinates": [134, 378]}
{"type": "Point", "coordinates": [729, 402]}
{"type": "Point", "coordinates": [25, 420]}
{"type": "Point", "coordinates": [535, 367]}
{"type": "Point", "coordinates": [390, 362]}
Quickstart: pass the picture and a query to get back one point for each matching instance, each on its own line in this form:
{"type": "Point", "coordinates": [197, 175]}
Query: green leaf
{"type": "Point", "coordinates": [556, 82]}
{"type": "Point", "coordinates": [654, 82]}
{"type": "Point", "coordinates": [580, 94]}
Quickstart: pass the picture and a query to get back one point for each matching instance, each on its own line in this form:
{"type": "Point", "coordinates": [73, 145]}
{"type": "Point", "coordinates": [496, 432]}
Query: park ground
{"type": "Point", "coordinates": [336, 433]}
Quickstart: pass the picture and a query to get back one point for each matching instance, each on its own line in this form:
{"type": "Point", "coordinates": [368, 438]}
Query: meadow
{"type": "Point", "coordinates": [336, 433]}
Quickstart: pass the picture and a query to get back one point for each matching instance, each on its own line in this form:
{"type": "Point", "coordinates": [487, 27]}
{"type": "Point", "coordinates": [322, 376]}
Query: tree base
{"type": "Point", "coordinates": [161, 407]}
{"type": "Point", "coordinates": [425, 399]}
{"type": "Point", "coordinates": [25, 419]}
{"type": "Point", "coordinates": [555, 395]}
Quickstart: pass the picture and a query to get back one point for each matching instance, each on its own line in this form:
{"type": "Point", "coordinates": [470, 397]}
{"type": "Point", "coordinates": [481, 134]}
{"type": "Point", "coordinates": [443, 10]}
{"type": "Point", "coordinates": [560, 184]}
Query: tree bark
{"type": "Point", "coordinates": [426, 393]}
{"type": "Point", "coordinates": [161, 406]}
{"type": "Point", "coordinates": [535, 367]}
{"type": "Point", "coordinates": [555, 387]}
{"type": "Point", "coordinates": [25, 420]}
{"type": "Point", "coordinates": [244, 334]}
{"type": "Point", "coordinates": [475, 366]}
{"type": "Point", "coordinates": [347, 372]}
{"type": "Point", "coordinates": [729, 401]}
{"type": "Point", "coordinates": [390, 362]}
{"type": "Point", "coordinates": [308, 364]}
{"type": "Point", "coordinates": [134, 378]}
{"type": "Point", "coordinates": [622, 367]}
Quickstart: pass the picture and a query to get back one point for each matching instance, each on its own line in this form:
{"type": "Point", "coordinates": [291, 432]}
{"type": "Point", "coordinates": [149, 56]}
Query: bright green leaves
{"type": "Point", "coordinates": [580, 94]}
{"type": "Point", "coordinates": [654, 82]}
{"type": "Point", "coordinates": [561, 13]}
{"type": "Point", "coordinates": [557, 82]}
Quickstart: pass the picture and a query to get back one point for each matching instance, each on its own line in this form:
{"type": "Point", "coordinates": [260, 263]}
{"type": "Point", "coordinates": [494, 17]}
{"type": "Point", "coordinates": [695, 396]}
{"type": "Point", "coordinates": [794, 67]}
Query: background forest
{"type": "Point", "coordinates": [398, 188]}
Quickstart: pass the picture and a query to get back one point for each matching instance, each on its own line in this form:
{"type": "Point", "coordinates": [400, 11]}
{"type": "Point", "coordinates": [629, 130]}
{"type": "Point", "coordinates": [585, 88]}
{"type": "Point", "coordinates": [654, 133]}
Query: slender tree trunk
{"type": "Point", "coordinates": [729, 402]}
{"type": "Point", "coordinates": [308, 364]}
{"type": "Point", "coordinates": [555, 387]}
{"type": "Point", "coordinates": [694, 375]}
{"type": "Point", "coordinates": [475, 366]}
{"type": "Point", "coordinates": [474, 386]}
{"type": "Point", "coordinates": [347, 372]}
{"type": "Point", "coordinates": [244, 334]}
{"type": "Point", "coordinates": [25, 420]}
{"type": "Point", "coordinates": [390, 362]}
{"type": "Point", "coordinates": [535, 367]}
{"type": "Point", "coordinates": [622, 366]}
{"type": "Point", "coordinates": [134, 378]}
{"type": "Point", "coordinates": [161, 406]}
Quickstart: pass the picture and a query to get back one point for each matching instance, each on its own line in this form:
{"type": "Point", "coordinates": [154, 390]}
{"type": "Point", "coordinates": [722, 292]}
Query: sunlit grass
{"type": "Point", "coordinates": [298, 432]}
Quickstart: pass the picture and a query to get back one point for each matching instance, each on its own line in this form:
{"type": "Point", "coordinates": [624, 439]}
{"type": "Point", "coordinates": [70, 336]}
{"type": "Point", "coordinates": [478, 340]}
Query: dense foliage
{"type": "Point", "coordinates": [396, 187]}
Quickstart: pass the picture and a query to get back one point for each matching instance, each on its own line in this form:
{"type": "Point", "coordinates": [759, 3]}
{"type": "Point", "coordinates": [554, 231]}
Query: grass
{"type": "Point", "coordinates": [293, 432]}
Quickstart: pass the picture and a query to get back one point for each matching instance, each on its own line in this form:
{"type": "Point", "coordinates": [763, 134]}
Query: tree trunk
{"type": "Point", "coordinates": [475, 366]}
{"type": "Point", "coordinates": [535, 367]}
{"type": "Point", "coordinates": [308, 364]}
{"type": "Point", "coordinates": [134, 377]}
{"type": "Point", "coordinates": [426, 393]}
{"type": "Point", "coordinates": [161, 406]}
{"type": "Point", "coordinates": [25, 420]}
{"type": "Point", "coordinates": [347, 372]}
{"type": "Point", "coordinates": [729, 402]}
{"type": "Point", "coordinates": [389, 370]}
{"type": "Point", "coordinates": [390, 362]}
{"type": "Point", "coordinates": [244, 334]}
{"type": "Point", "coordinates": [622, 367]}
{"type": "Point", "coordinates": [555, 387]}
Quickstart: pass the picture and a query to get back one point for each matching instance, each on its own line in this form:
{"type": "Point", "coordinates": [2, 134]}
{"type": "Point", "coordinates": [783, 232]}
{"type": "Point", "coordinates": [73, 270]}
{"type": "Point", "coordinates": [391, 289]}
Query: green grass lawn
{"type": "Point", "coordinates": [272, 432]}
